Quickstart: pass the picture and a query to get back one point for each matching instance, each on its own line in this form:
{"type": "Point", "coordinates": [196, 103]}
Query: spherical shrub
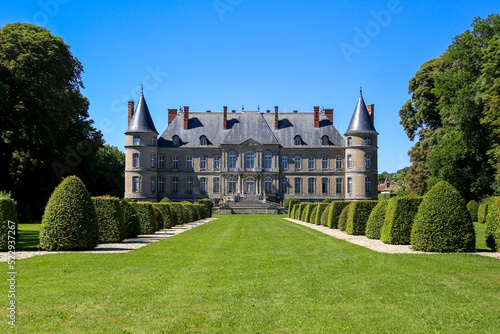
{"type": "Point", "coordinates": [146, 216]}
{"type": "Point", "coordinates": [327, 201]}
{"type": "Point", "coordinates": [358, 216]}
{"type": "Point", "coordinates": [443, 223]}
{"type": "Point", "coordinates": [376, 220]}
{"type": "Point", "coordinates": [492, 227]}
{"type": "Point", "coordinates": [165, 200]}
{"type": "Point", "coordinates": [473, 206]}
{"type": "Point", "coordinates": [131, 220]}
{"type": "Point", "coordinates": [69, 221]}
{"type": "Point", "coordinates": [334, 211]}
{"type": "Point", "coordinates": [399, 219]}
{"type": "Point", "coordinates": [343, 217]}
{"type": "Point", "coordinates": [110, 219]}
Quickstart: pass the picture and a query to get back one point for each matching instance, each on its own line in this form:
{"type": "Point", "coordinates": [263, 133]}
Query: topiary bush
{"type": "Point", "coordinates": [128, 200]}
{"type": "Point", "coordinates": [110, 219]}
{"type": "Point", "coordinates": [180, 213]}
{"type": "Point", "coordinates": [291, 213]}
{"type": "Point", "coordinates": [286, 204]}
{"type": "Point", "coordinates": [327, 201]}
{"type": "Point", "coordinates": [131, 220]}
{"type": "Point", "coordinates": [319, 214]}
{"type": "Point", "coordinates": [358, 216]}
{"type": "Point", "coordinates": [312, 217]}
{"type": "Point", "coordinates": [69, 221]}
{"type": "Point", "coordinates": [147, 217]}
{"type": "Point", "coordinates": [342, 223]}
{"type": "Point", "coordinates": [207, 202]}
{"type": "Point", "coordinates": [473, 207]}
{"type": "Point", "coordinates": [492, 229]}
{"type": "Point", "coordinates": [188, 212]}
{"type": "Point", "coordinates": [443, 223]}
{"type": "Point", "coordinates": [7, 213]}
{"type": "Point", "coordinates": [376, 220]}
{"type": "Point", "coordinates": [158, 218]}
{"type": "Point", "coordinates": [482, 213]}
{"type": "Point", "coordinates": [165, 213]}
{"type": "Point", "coordinates": [291, 203]}
{"type": "Point", "coordinates": [165, 200]}
{"type": "Point", "coordinates": [399, 217]}
{"type": "Point", "coordinates": [300, 209]}
{"type": "Point", "coordinates": [306, 214]}
{"type": "Point", "coordinates": [334, 211]}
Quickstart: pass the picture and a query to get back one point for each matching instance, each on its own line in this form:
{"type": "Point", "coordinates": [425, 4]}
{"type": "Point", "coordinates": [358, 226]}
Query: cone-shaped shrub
{"type": "Point", "coordinates": [319, 213]}
{"type": "Point", "coordinates": [399, 217]}
{"type": "Point", "coordinates": [158, 218]}
{"type": "Point", "coordinates": [306, 214]}
{"type": "Point", "coordinates": [358, 216]}
{"type": "Point", "coordinates": [443, 223]}
{"type": "Point", "coordinates": [298, 212]}
{"type": "Point", "coordinates": [492, 229]}
{"type": "Point", "coordinates": [324, 216]}
{"type": "Point", "coordinates": [131, 220]}
{"type": "Point", "coordinates": [146, 216]}
{"type": "Point", "coordinates": [312, 218]}
{"type": "Point", "coordinates": [69, 221]}
{"type": "Point", "coordinates": [473, 206]}
{"type": "Point", "coordinates": [207, 202]}
{"type": "Point", "coordinates": [343, 217]}
{"type": "Point", "coordinates": [334, 211]}
{"type": "Point", "coordinates": [376, 220]}
{"type": "Point", "coordinates": [291, 213]}
{"type": "Point", "coordinates": [7, 213]}
{"type": "Point", "coordinates": [110, 219]}
{"type": "Point", "coordinates": [165, 213]}
{"type": "Point", "coordinates": [482, 213]}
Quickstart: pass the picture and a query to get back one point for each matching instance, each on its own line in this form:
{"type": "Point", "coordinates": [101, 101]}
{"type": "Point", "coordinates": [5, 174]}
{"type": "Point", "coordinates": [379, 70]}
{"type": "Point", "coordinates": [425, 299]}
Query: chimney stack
{"type": "Point", "coordinates": [186, 117]}
{"type": "Point", "coordinates": [130, 110]}
{"type": "Point", "coordinates": [316, 116]}
{"type": "Point", "coordinates": [172, 113]}
{"type": "Point", "coordinates": [276, 117]}
{"type": "Point", "coordinates": [329, 114]}
{"type": "Point", "coordinates": [371, 112]}
{"type": "Point", "coordinates": [224, 122]}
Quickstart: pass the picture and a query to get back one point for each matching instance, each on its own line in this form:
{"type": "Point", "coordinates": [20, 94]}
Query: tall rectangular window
{"type": "Point", "coordinates": [339, 162]}
{"type": "Point", "coordinates": [284, 162]}
{"type": "Point", "coordinates": [349, 141]}
{"type": "Point", "coordinates": [175, 162]}
{"type": "Point", "coordinates": [153, 161]}
{"type": "Point", "coordinates": [250, 160]}
{"type": "Point", "coordinates": [161, 161]}
{"type": "Point", "coordinates": [135, 184]}
{"type": "Point", "coordinates": [368, 185]}
{"type": "Point", "coordinates": [349, 161]}
{"type": "Point", "coordinates": [232, 158]}
{"type": "Point", "coordinates": [268, 185]}
{"type": "Point", "coordinates": [311, 162]}
{"type": "Point", "coordinates": [203, 185]}
{"type": "Point", "coordinates": [324, 162]}
{"type": "Point", "coordinates": [339, 186]}
{"type": "Point", "coordinates": [153, 141]}
{"type": "Point", "coordinates": [216, 161]}
{"type": "Point", "coordinates": [153, 185]}
{"type": "Point", "coordinates": [189, 161]}
{"type": "Point", "coordinates": [203, 162]}
{"type": "Point", "coordinates": [232, 185]}
{"type": "Point", "coordinates": [368, 161]}
{"type": "Point", "coordinates": [216, 187]}
{"type": "Point", "coordinates": [284, 185]}
{"type": "Point", "coordinates": [137, 140]}
{"type": "Point", "coordinates": [175, 185]}
{"type": "Point", "coordinates": [298, 162]}
{"type": "Point", "coordinates": [268, 160]}
{"type": "Point", "coordinates": [135, 160]}
{"type": "Point", "coordinates": [325, 186]}
{"type": "Point", "coordinates": [161, 184]}
{"type": "Point", "coordinates": [189, 185]}
{"type": "Point", "coordinates": [368, 140]}
{"type": "Point", "coordinates": [311, 185]}
{"type": "Point", "coordinates": [298, 185]}
{"type": "Point", "coordinates": [349, 185]}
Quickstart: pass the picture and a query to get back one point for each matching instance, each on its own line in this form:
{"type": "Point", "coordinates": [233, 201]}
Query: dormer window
{"type": "Point", "coordinates": [137, 140]}
{"type": "Point", "coordinates": [298, 141]}
{"type": "Point", "coordinates": [203, 141]}
{"type": "Point", "coordinates": [324, 140]}
{"type": "Point", "coordinates": [175, 140]}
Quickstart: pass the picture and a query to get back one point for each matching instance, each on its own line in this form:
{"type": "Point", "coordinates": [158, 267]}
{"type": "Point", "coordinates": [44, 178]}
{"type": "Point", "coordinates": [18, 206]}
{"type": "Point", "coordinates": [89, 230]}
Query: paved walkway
{"type": "Point", "coordinates": [374, 244]}
{"type": "Point", "coordinates": [125, 246]}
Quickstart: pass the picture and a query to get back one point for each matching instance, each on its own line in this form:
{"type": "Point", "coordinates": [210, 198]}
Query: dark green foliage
{"type": "Point", "coordinates": [291, 203]}
{"type": "Point", "coordinates": [128, 200]}
{"type": "Point", "coordinates": [492, 229]}
{"type": "Point", "coordinates": [473, 207]}
{"type": "Point", "coordinates": [319, 214]}
{"type": "Point", "coordinates": [207, 202]}
{"type": "Point", "coordinates": [110, 219]}
{"type": "Point", "coordinates": [7, 212]}
{"type": "Point", "coordinates": [189, 215]}
{"type": "Point", "coordinates": [287, 203]}
{"type": "Point", "coordinates": [202, 211]}
{"type": "Point", "coordinates": [158, 218]}
{"type": "Point", "coordinates": [131, 220]}
{"type": "Point", "coordinates": [182, 216]}
{"type": "Point", "coordinates": [342, 223]}
{"type": "Point", "coordinates": [334, 211]}
{"type": "Point", "coordinates": [291, 213]}
{"type": "Point", "coordinates": [69, 221]}
{"type": "Point", "coordinates": [482, 213]}
{"type": "Point", "coordinates": [165, 200]}
{"type": "Point", "coordinates": [399, 219]}
{"type": "Point", "coordinates": [146, 216]}
{"type": "Point", "coordinates": [165, 213]}
{"type": "Point", "coordinates": [306, 213]}
{"type": "Point", "coordinates": [358, 216]}
{"type": "Point", "coordinates": [174, 214]}
{"type": "Point", "coordinates": [300, 209]}
{"type": "Point", "coordinates": [327, 201]}
{"type": "Point", "coordinates": [376, 220]}
{"type": "Point", "coordinates": [443, 223]}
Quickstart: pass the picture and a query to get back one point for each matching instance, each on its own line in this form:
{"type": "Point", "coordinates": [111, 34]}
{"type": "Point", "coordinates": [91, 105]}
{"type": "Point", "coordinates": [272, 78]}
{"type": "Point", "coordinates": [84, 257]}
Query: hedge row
{"type": "Point", "coordinates": [398, 221]}
{"type": "Point", "coordinates": [492, 228]}
{"type": "Point", "coordinates": [7, 213]}
{"type": "Point", "coordinates": [110, 219]}
{"type": "Point", "coordinates": [343, 217]}
{"type": "Point", "coordinates": [473, 207]}
{"type": "Point", "coordinates": [358, 216]}
{"type": "Point", "coordinates": [307, 213]}
{"type": "Point", "coordinates": [482, 213]}
{"type": "Point", "coordinates": [376, 220]}
{"type": "Point", "coordinates": [334, 211]}
{"type": "Point", "coordinates": [320, 209]}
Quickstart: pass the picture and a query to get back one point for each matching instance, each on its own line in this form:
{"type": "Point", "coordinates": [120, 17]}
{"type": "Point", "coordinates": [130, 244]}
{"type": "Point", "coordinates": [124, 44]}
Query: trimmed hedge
{"type": "Point", "coordinates": [131, 220]}
{"type": "Point", "coordinates": [165, 213]}
{"type": "Point", "coordinates": [202, 210]}
{"type": "Point", "coordinates": [482, 213]}
{"type": "Point", "coordinates": [207, 202]}
{"type": "Point", "coordinates": [358, 216]}
{"type": "Point", "coordinates": [291, 204]}
{"type": "Point", "coordinates": [376, 220]}
{"type": "Point", "coordinates": [286, 204]}
{"type": "Point", "coordinates": [180, 212]}
{"type": "Point", "coordinates": [492, 229]}
{"type": "Point", "coordinates": [191, 214]}
{"type": "Point", "coordinates": [324, 216]}
{"type": "Point", "coordinates": [443, 223]}
{"type": "Point", "coordinates": [291, 214]}
{"type": "Point", "coordinates": [306, 214]}
{"type": "Point", "coordinates": [128, 200]}
{"type": "Point", "coordinates": [300, 209]}
{"type": "Point", "coordinates": [7, 212]}
{"type": "Point", "coordinates": [399, 217]}
{"type": "Point", "coordinates": [312, 218]}
{"type": "Point", "coordinates": [110, 219]}
{"type": "Point", "coordinates": [334, 211]}
{"type": "Point", "coordinates": [319, 214]}
{"type": "Point", "coordinates": [69, 221]}
{"type": "Point", "coordinates": [158, 218]}
{"type": "Point", "coordinates": [343, 217]}
{"type": "Point", "coordinates": [326, 201]}
{"type": "Point", "coordinates": [146, 216]}
{"type": "Point", "coordinates": [473, 207]}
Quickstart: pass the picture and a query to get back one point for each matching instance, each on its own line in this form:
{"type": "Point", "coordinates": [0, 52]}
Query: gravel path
{"type": "Point", "coordinates": [373, 244]}
{"type": "Point", "coordinates": [125, 246]}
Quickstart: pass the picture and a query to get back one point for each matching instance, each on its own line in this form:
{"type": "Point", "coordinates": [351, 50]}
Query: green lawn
{"type": "Point", "coordinates": [251, 274]}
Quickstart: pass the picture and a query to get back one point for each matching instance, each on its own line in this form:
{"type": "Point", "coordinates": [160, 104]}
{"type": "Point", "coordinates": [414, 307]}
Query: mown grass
{"type": "Point", "coordinates": [28, 236]}
{"type": "Point", "coordinates": [251, 274]}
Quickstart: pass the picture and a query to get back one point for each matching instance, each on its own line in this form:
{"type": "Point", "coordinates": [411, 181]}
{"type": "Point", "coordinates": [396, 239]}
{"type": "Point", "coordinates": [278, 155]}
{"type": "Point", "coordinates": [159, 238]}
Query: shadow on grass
{"type": "Point", "coordinates": [28, 241]}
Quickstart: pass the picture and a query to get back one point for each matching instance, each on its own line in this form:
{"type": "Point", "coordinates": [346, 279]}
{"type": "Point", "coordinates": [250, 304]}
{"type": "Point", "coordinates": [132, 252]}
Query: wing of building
{"type": "Point", "coordinates": [266, 155]}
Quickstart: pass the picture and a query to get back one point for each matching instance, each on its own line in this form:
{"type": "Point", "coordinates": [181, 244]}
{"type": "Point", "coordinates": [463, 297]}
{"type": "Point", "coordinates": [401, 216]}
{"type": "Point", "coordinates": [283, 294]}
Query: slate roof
{"type": "Point", "coordinates": [361, 121]}
{"type": "Point", "coordinates": [251, 125]}
{"type": "Point", "coordinates": [141, 120]}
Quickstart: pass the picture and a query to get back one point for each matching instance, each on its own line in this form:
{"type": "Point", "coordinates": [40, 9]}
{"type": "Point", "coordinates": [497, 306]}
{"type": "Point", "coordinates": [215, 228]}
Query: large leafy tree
{"type": "Point", "coordinates": [453, 114]}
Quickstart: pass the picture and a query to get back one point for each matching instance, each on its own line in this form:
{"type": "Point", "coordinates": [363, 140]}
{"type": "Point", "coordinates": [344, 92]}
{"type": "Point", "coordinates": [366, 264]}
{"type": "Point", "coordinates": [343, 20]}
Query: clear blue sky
{"type": "Point", "coordinates": [294, 54]}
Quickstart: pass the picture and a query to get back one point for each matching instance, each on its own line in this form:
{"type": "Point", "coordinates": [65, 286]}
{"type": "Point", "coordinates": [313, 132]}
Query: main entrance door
{"type": "Point", "coordinates": [250, 186]}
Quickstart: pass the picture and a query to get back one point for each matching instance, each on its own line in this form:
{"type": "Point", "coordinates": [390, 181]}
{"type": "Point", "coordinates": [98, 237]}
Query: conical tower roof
{"type": "Point", "coordinates": [361, 121]}
{"type": "Point", "coordinates": [141, 121]}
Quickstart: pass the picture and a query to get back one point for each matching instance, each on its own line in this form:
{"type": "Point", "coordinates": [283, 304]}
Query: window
{"type": "Point", "coordinates": [161, 161]}
{"type": "Point", "coordinates": [368, 161]}
{"type": "Point", "coordinates": [298, 185]}
{"type": "Point", "coordinates": [175, 185]}
{"type": "Point", "coordinates": [232, 185]}
{"type": "Point", "coordinates": [298, 141]}
{"type": "Point", "coordinates": [284, 185]}
{"type": "Point", "coordinates": [135, 184]}
{"type": "Point", "coordinates": [268, 185]}
{"type": "Point", "coordinates": [137, 140]}
{"type": "Point", "coordinates": [349, 185]}
{"type": "Point", "coordinates": [175, 161]}
{"type": "Point", "coordinates": [311, 185]}
{"type": "Point", "coordinates": [203, 185]}
{"type": "Point", "coordinates": [189, 161]}
{"type": "Point", "coordinates": [153, 185]}
{"type": "Point", "coordinates": [153, 161]}
{"type": "Point", "coordinates": [203, 141]}
{"type": "Point", "coordinates": [153, 141]}
{"type": "Point", "coordinates": [368, 140]}
{"type": "Point", "coordinates": [176, 141]}
{"type": "Point", "coordinates": [161, 184]}
{"type": "Point", "coordinates": [216, 187]}
{"type": "Point", "coordinates": [268, 160]}
{"type": "Point", "coordinates": [349, 141]}
{"type": "Point", "coordinates": [250, 186]}
{"type": "Point", "coordinates": [203, 162]}
{"type": "Point", "coordinates": [339, 161]}
{"type": "Point", "coordinates": [339, 185]}
{"type": "Point", "coordinates": [368, 185]}
{"type": "Point", "coordinates": [349, 161]}
{"type": "Point", "coordinates": [232, 160]}
{"type": "Point", "coordinates": [298, 162]}
{"type": "Point", "coordinates": [284, 162]}
{"type": "Point", "coordinates": [250, 160]}
{"type": "Point", "coordinates": [216, 161]}
{"type": "Point", "coordinates": [189, 185]}
{"type": "Point", "coordinates": [324, 141]}
{"type": "Point", "coordinates": [311, 162]}
{"type": "Point", "coordinates": [135, 160]}
{"type": "Point", "coordinates": [324, 162]}
{"type": "Point", "coordinates": [325, 186]}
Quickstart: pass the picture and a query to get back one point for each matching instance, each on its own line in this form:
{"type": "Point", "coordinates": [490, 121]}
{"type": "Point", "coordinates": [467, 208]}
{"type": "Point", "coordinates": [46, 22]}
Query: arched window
{"type": "Point", "coordinates": [250, 160]}
{"type": "Point", "coordinates": [231, 163]}
{"type": "Point", "coordinates": [232, 185]}
{"type": "Point", "coordinates": [268, 160]}
{"type": "Point", "coordinates": [268, 185]}
{"type": "Point", "coordinates": [176, 141]}
{"type": "Point", "coordinates": [324, 141]}
{"type": "Point", "coordinates": [203, 141]}
{"type": "Point", "coordinates": [250, 186]}
{"type": "Point", "coordinates": [298, 141]}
